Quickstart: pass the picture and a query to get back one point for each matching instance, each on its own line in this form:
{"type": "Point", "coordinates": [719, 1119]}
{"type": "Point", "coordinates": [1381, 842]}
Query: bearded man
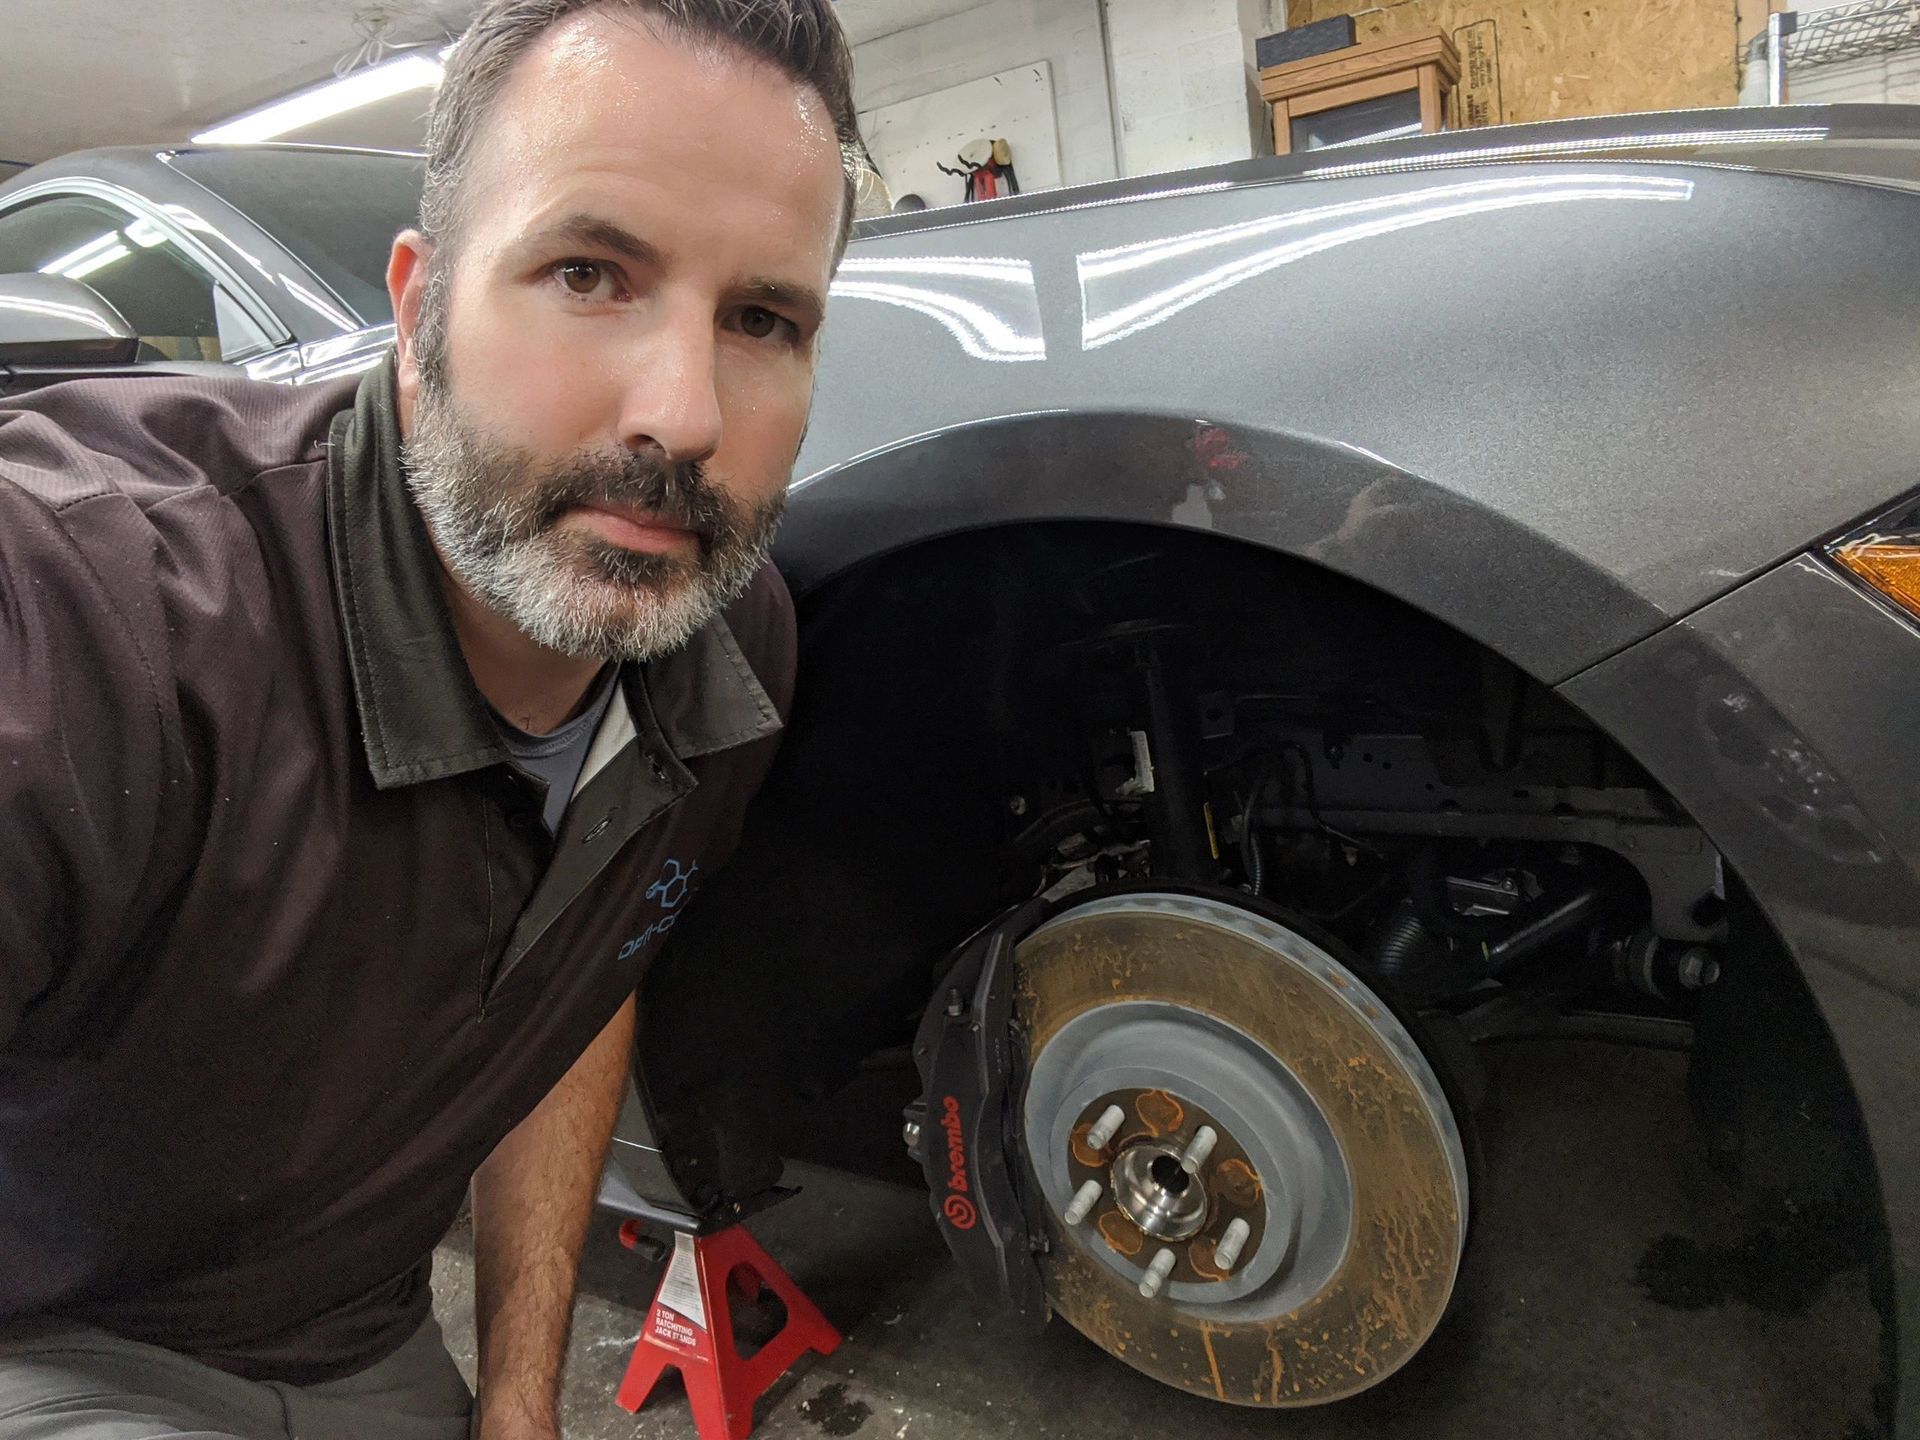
{"type": "Point", "coordinates": [355, 741]}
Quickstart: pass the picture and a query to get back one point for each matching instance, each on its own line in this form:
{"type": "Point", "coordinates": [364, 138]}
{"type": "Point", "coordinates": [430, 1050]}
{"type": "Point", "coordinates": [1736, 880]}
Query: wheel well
{"type": "Point", "coordinates": [955, 693]}
{"type": "Point", "coordinates": [961, 699]}
{"type": "Point", "coordinates": [963, 736]}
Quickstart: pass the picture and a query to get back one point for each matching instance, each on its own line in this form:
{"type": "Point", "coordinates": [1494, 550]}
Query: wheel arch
{"type": "Point", "coordinates": [1516, 591]}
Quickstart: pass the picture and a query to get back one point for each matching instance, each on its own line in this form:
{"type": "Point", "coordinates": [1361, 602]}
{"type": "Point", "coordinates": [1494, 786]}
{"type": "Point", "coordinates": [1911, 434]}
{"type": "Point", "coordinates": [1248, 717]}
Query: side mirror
{"type": "Point", "coordinates": [51, 320]}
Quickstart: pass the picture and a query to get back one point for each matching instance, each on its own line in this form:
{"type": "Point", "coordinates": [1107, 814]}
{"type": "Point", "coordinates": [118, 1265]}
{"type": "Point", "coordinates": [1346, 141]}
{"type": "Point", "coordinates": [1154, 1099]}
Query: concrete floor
{"type": "Point", "coordinates": [1606, 1294]}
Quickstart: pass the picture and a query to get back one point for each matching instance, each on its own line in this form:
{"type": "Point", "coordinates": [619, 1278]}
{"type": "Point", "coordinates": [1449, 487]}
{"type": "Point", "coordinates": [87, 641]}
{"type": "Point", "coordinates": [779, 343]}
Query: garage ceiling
{"type": "Point", "coordinates": [75, 73]}
{"type": "Point", "coordinates": [108, 72]}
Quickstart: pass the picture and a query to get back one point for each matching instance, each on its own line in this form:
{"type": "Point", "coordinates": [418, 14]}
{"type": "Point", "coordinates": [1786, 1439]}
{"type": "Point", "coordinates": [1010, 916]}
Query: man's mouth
{"type": "Point", "coordinates": [637, 530]}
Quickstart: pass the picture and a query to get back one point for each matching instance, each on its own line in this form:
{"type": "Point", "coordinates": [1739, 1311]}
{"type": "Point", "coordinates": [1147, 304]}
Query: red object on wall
{"type": "Point", "coordinates": [690, 1328]}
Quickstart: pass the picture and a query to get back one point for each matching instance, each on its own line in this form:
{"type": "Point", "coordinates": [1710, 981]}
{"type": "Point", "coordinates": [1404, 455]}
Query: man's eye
{"type": "Point", "coordinates": [581, 277]}
{"type": "Point", "coordinates": [757, 323]}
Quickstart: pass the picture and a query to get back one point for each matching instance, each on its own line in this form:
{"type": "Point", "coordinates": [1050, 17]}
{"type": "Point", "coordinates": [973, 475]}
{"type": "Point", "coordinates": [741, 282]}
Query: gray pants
{"type": "Point", "coordinates": [71, 1383]}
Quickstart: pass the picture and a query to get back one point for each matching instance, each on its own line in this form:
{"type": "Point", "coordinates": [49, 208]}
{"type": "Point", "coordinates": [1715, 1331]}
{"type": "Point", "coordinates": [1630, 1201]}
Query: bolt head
{"type": "Point", "coordinates": [1698, 969]}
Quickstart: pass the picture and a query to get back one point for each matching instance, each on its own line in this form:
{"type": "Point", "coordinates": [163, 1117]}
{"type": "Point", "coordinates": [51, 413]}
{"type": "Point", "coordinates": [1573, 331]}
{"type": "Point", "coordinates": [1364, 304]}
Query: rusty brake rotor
{"type": "Point", "coordinates": [1257, 1187]}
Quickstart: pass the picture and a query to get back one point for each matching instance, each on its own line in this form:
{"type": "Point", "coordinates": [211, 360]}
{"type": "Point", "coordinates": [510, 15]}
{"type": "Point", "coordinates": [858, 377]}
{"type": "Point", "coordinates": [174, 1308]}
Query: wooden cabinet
{"type": "Point", "coordinates": [1398, 82]}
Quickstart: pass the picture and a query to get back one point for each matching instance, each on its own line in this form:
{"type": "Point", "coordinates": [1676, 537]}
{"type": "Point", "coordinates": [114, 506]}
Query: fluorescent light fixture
{"type": "Point", "coordinates": [323, 102]}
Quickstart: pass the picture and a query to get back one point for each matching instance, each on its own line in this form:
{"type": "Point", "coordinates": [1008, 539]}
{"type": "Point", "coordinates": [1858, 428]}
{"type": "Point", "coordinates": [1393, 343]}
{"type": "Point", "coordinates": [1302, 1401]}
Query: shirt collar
{"type": "Point", "coordinates": [421, 716]}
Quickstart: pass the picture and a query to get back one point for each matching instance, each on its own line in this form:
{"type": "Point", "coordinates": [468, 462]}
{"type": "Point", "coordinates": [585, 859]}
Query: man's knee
{"type": "Point", "coordinates": [417, 1393]}
{"type": "Point", "coordinates": [77, 1384]}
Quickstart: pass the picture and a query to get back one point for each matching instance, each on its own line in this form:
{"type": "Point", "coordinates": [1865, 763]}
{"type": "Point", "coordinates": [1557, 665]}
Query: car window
{"type": "Point", "coordinates": [177, 307]}
{"type": "Point", "coordinates": [338, 210]}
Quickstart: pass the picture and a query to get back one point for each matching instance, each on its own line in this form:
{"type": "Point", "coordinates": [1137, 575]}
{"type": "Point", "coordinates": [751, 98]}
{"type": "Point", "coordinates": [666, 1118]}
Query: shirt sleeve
{"type": "Point", "coordinates": [85, 743]}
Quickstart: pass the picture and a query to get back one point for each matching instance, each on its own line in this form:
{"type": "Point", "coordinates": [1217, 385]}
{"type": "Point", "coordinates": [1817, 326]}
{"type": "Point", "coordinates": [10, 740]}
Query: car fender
{"type": "Point", "coordinates": [1484, 572]}
{"type": "Point", "coordinates": [1605, 391]}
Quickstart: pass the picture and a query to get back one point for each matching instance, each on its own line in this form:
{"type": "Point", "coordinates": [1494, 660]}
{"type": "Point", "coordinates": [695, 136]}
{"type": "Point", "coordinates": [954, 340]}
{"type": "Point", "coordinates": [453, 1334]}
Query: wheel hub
{"type": "Point", "coordinates": [1148, 1196]}
{"type": "Point", "coordinates": [1155, 1193]}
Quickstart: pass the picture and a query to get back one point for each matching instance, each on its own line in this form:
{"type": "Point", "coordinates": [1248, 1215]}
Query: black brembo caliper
{"type": "Point", "coordinates": [969, 1054]}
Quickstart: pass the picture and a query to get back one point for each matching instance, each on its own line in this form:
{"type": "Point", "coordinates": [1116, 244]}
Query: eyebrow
{"type": "Point", "coordinates": [593, 232]}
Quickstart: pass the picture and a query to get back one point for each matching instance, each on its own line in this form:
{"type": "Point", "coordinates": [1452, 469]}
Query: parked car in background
{"type": "Point", "coordinates": [268, 259]}
{"type": "Point", "coordinates": [1266, 632]}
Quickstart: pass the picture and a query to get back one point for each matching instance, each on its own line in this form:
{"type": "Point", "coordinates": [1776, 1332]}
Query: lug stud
{"type": "Point", "coordinates": [1157, 1273]}
{"type": "Point", "coordinates": [1198, 1151]}
{"type": "Point", "coordinates": [1084, 1199]}
{"type": "Point", "coordinates": [1106, 1127]}
{"type": "Point", "coordinates": [1227, 1253]}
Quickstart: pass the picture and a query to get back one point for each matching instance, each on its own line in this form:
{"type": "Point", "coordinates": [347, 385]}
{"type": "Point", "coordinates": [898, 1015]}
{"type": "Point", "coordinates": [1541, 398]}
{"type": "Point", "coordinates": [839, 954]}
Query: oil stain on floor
{"type": "Point", "coordinates": [834, 1411]}
{"type": "Point", "coordinates": [1778, 1271]}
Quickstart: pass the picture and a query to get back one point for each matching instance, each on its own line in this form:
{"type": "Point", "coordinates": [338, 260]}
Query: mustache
{"type": "Point", "coordinates": [679, 494]}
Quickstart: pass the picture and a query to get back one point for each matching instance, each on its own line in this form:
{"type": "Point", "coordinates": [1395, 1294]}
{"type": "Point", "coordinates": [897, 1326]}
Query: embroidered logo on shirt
{"type": "Point", "coordinates": [672, 886]}
{"type": "Point", "coordinates": [670, 892]}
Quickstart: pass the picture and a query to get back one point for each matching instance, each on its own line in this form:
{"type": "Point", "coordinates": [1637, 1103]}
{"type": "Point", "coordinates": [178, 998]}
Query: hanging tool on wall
{"type": "Point", "coordinates": [987, 166]}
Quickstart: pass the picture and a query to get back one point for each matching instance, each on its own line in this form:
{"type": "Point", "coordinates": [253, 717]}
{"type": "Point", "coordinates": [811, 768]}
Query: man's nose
{"type": "Point", "coordinates": [673, 401]}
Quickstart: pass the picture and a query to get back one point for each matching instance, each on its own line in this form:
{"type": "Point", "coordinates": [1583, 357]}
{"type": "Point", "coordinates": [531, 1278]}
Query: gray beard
{"type": "Point", "coordinates": [492, 509]}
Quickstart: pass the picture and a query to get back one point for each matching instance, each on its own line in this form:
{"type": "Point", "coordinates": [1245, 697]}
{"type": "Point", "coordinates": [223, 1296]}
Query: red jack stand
{"type": "Point", "coordinates": [690, 1328]}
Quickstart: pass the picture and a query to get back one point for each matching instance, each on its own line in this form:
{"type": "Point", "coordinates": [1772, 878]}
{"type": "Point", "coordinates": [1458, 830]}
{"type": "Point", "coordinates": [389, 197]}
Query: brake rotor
{"type": "Point", "coordinates": [1331, 1178]}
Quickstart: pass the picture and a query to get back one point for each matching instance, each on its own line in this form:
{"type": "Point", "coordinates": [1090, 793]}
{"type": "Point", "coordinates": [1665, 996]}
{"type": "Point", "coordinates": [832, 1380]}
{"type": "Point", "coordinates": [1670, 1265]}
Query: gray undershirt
{"type": "Point", "coordinates": [557, 756]}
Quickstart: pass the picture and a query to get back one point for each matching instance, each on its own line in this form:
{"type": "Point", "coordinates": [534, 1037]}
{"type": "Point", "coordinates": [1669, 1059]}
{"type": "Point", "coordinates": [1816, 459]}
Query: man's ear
{"type": "Point", "coordinates": [407, 270]}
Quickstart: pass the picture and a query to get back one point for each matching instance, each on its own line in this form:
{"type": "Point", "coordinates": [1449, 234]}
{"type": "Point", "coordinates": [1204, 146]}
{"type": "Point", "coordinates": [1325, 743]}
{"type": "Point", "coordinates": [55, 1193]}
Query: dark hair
{"type": "Point", "coordinates": [800, 38]}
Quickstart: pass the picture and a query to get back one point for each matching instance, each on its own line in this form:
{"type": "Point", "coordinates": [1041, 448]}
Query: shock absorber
{"type": "Point", "coordinates": [1176, 820]}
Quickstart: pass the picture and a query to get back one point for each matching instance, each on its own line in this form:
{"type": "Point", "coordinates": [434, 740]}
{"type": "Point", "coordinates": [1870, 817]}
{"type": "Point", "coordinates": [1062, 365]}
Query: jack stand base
{"type": "Point", "coordinates": [690, 1328]}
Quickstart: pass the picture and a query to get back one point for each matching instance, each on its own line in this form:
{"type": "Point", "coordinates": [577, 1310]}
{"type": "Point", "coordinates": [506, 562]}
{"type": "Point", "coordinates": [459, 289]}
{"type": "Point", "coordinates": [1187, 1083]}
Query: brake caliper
{"type": "Point", "coordinates": [964, 1130]}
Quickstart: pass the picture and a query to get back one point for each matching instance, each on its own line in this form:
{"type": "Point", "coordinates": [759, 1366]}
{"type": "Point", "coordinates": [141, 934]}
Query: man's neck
{"type": "Point", "coordinates": [533, 688]}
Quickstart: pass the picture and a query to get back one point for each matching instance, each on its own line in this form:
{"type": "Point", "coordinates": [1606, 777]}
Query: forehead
{"type": "Point", "coordinates": [616, 114]}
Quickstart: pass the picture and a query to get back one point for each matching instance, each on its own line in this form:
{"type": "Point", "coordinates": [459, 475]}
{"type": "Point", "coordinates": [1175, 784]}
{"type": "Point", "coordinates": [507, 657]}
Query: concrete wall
{"type": "Point", "coordinates": [1182, 75]}
{"type": "Point", "coordinates": [1182, 83]}
{"type": "Point", "coordinates": [997, 36]}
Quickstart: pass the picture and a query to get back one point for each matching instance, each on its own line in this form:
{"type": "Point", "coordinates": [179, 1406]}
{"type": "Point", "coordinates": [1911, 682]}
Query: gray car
{"type": "Point", "coordinates": [1267, 632]}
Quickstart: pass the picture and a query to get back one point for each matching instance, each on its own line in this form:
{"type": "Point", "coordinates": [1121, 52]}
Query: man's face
{"type": "Point", "coordinates": [605, 383]}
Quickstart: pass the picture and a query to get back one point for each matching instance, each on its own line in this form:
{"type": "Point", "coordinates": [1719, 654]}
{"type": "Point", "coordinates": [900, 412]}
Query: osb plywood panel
{"type": "Point", "coordinates": [1557, 58]}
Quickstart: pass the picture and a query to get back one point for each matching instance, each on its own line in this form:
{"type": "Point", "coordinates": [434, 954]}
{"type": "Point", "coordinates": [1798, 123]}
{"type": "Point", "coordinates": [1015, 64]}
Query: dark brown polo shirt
{"type": "Point", "coordinates": [285, 948]}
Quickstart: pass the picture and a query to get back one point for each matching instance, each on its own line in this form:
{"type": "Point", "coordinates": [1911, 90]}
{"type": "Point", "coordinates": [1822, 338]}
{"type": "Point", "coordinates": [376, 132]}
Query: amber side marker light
{"type": "Point", "coordinates": [1889, 563]}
